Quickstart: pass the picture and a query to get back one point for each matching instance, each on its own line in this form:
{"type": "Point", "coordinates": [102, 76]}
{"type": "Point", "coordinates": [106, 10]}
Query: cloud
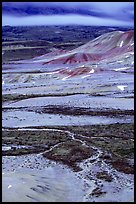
{"type": "Point", "coordinates": [62, 20]}
{"type": "Point", "coordinates": [61, 13]}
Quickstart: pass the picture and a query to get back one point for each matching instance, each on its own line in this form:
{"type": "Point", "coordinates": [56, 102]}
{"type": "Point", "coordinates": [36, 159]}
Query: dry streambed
{"type": "Point", "coordinates": [70, 145]}
{"type": "Point", "coordinates": [100, 155]}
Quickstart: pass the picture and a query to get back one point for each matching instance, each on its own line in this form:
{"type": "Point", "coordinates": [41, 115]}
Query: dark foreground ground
{"type": "Point", "coordinates": [116, 142]}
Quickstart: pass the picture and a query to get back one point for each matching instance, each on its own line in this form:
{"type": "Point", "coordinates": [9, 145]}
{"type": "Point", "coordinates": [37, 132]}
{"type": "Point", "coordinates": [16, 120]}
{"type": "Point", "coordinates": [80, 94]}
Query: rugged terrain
{"type": "Point", "coordinates": [68, 115]}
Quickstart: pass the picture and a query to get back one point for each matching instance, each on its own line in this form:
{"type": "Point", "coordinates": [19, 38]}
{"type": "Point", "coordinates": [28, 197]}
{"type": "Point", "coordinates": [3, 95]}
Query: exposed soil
{"type": "Point", "coordinates": [97, 192]}
{"type": "Point", "coordinates": [104, 176]}
{"type": "Point", "coordinates": [69, 153]}
{"type": "Point", "coordinates": [65, 110]}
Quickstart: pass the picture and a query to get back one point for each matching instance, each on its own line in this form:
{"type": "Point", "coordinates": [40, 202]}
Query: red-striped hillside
{"type": "Point", "coordinates": [106, 46]}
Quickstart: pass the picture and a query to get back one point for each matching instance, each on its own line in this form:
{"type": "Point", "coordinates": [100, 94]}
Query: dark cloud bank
{"type": "Point", "coordinates": [64, 13]}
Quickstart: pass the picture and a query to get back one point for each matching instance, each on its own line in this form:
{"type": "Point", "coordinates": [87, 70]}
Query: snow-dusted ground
{"type": "Point", "coordinates": [81, 101]}
{"type": "Point", "coordinates": [16, 118]}
{"type": "Point", "coordinates": [33, 178]}
{"type": "Point", "coordinates": [112, 90]}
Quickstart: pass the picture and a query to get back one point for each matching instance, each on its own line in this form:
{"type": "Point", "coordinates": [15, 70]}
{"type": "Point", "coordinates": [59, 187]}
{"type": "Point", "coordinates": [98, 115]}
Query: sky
{"type": "Point", "coordinates": [68, 13]}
